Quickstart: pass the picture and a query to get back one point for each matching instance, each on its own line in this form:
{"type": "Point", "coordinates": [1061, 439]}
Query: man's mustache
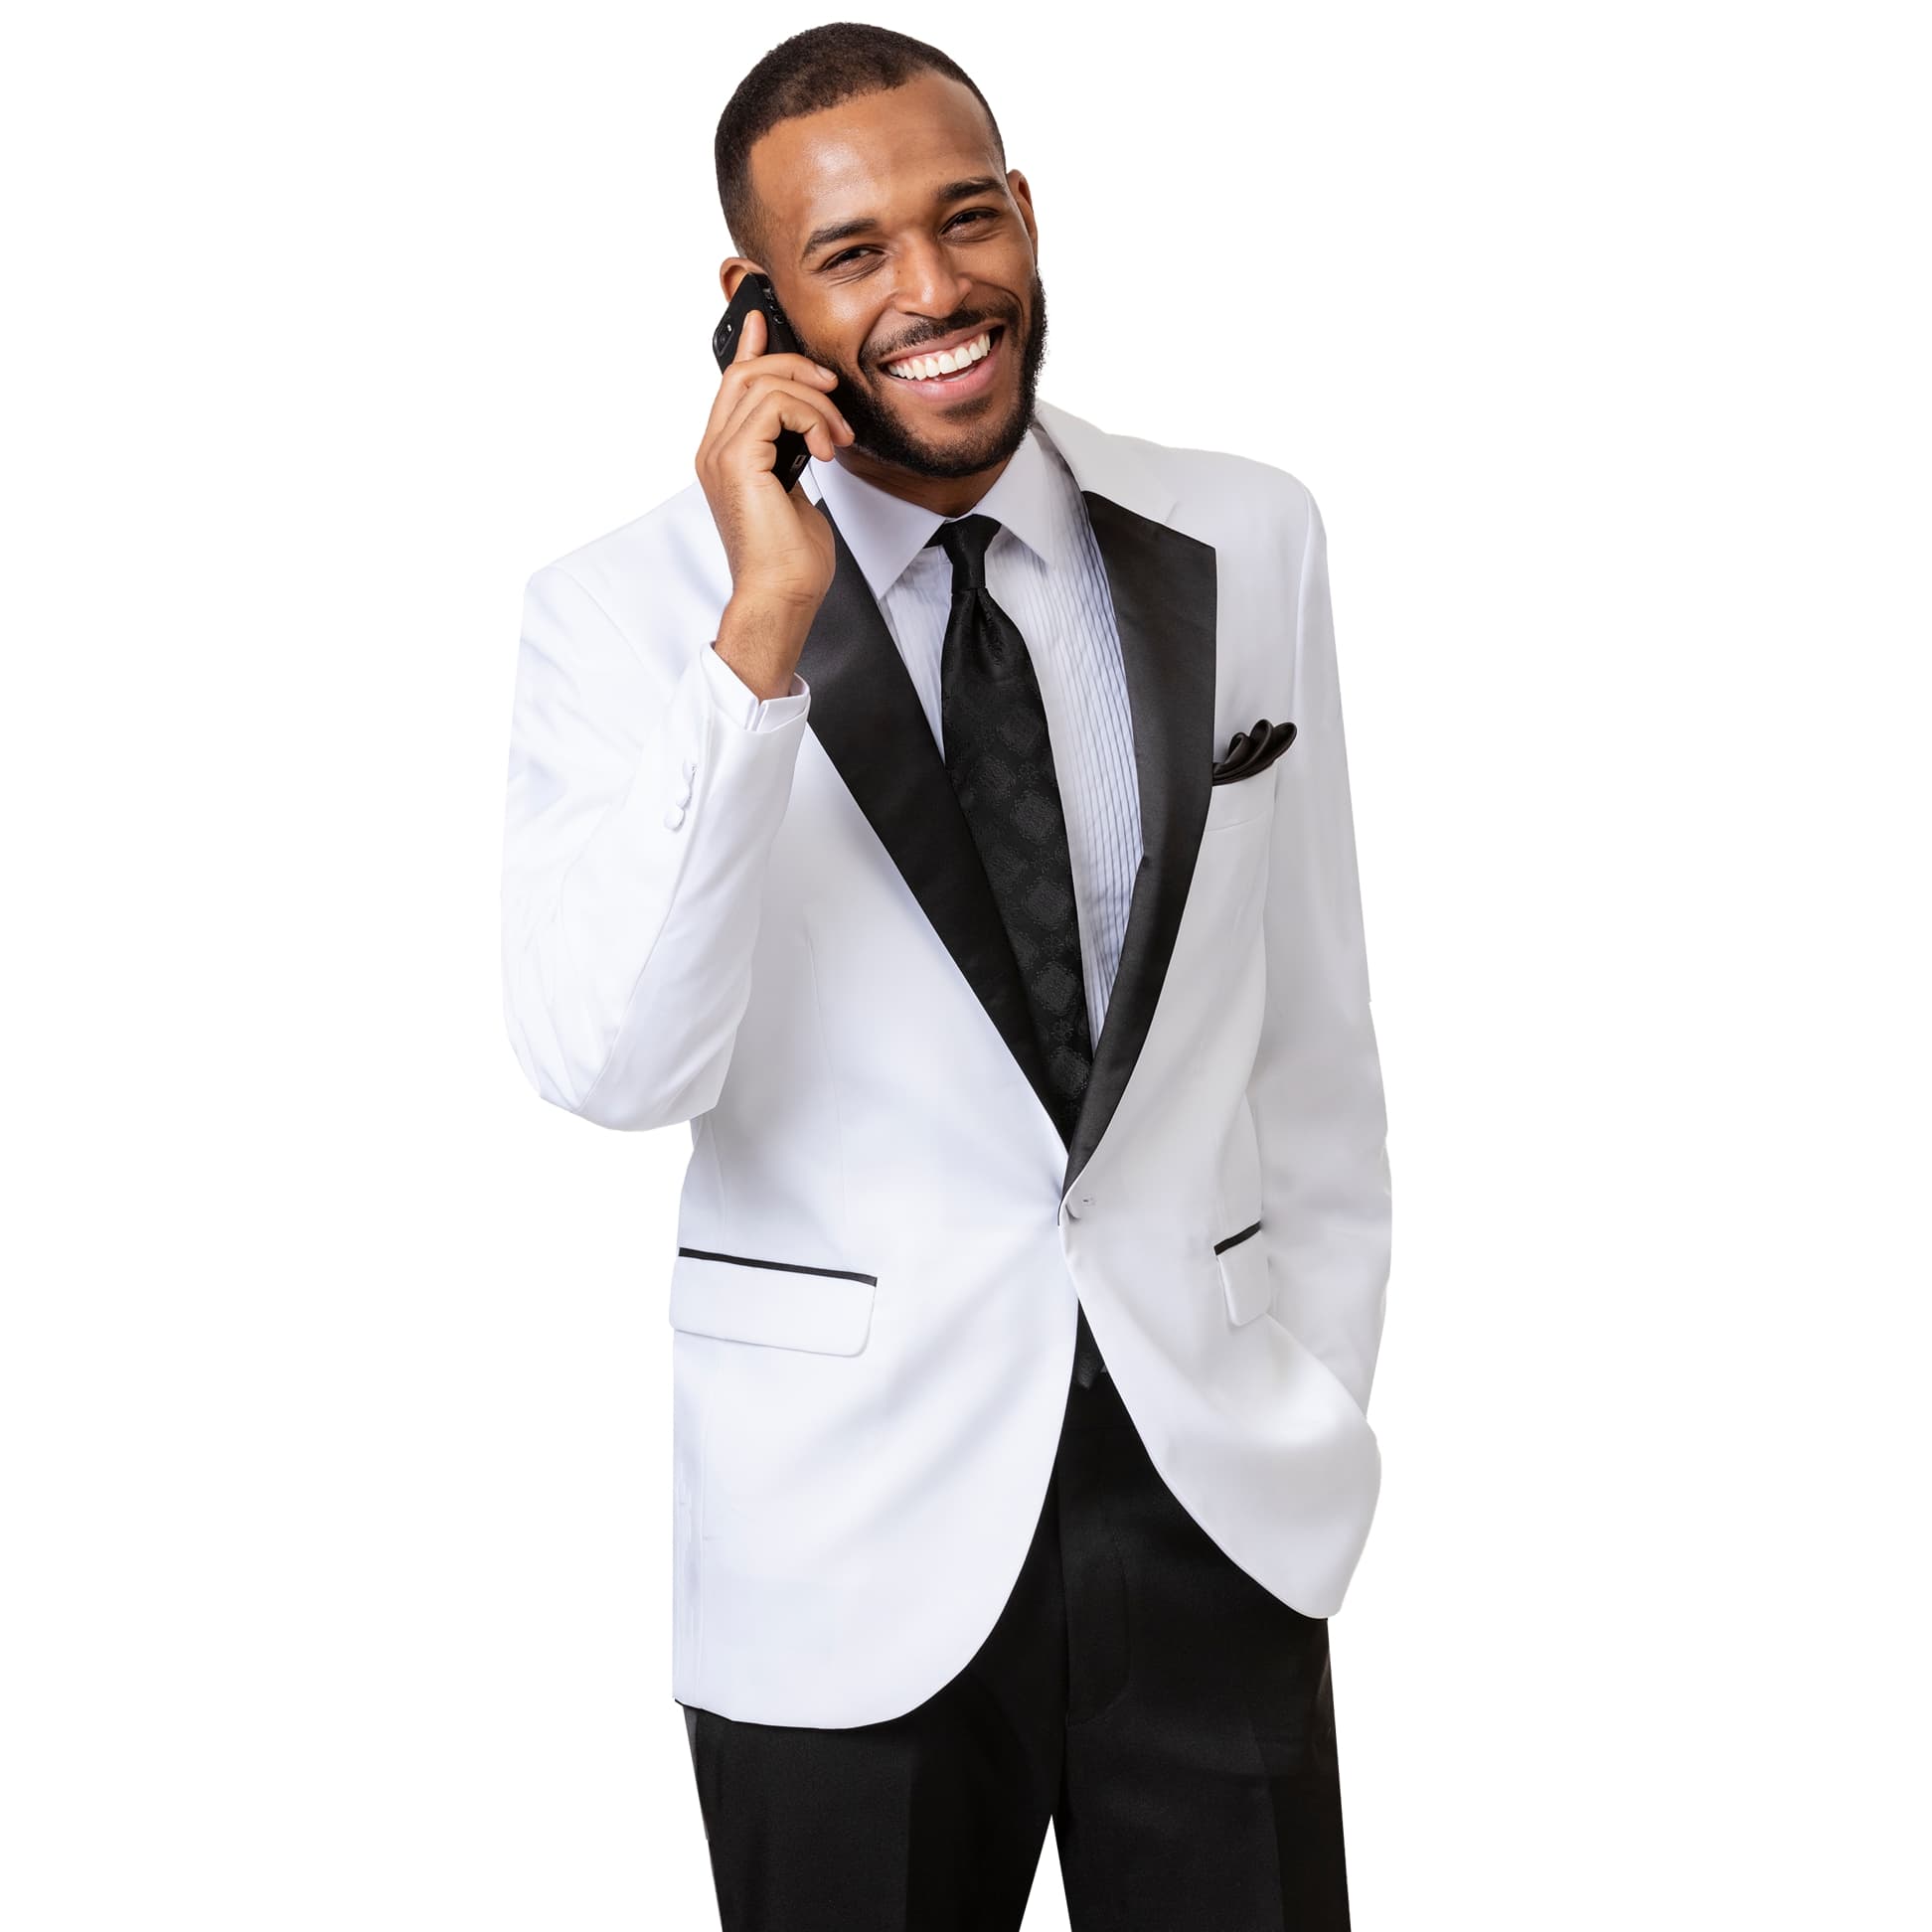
{"type": "Point", "coordinates": [977, 322]}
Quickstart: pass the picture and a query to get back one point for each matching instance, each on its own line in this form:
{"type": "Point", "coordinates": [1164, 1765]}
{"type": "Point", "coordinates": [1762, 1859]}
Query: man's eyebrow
{"type": "Point", "coordinates": [823, 237]}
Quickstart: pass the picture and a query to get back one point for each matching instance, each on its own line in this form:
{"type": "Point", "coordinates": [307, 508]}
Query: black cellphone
{"type": "Point", "coordinates": [754, 291]}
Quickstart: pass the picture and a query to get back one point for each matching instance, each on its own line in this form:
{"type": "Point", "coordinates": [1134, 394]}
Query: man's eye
{"type": "Point", "coordinates": [965, 214]}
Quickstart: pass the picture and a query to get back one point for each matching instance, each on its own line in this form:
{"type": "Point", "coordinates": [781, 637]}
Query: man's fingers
{"type": "Point", "coordinates": [764, 385]}
{"type": "Point", "coordinates": [731, 386]}
{"type": "Point", "coordinates": [773, 380]}
{"type": "Point", "coordinates": [745, 374]}
{"type": "Point", "coordinates": [775, 405]}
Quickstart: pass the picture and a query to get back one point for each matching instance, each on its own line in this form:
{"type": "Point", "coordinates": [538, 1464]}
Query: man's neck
{"type": "Point", "coordinates": [950, 496]}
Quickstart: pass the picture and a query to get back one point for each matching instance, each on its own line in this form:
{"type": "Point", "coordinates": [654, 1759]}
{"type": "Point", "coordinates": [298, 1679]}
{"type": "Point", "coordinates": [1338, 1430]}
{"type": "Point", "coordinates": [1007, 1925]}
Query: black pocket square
{"type": "Point", "coordinates": [1255, 751]}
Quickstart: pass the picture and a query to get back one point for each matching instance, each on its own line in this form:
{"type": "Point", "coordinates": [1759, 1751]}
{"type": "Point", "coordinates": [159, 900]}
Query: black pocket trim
{"type": "Point", "coordinates": [790, 1267]}
{"type": "Point", "coordinates": [1253, 1228]}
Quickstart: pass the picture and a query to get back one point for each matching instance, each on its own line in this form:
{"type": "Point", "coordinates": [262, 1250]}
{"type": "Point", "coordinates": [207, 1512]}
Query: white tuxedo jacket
{"type": "Point", "coordinates": [785, 938]}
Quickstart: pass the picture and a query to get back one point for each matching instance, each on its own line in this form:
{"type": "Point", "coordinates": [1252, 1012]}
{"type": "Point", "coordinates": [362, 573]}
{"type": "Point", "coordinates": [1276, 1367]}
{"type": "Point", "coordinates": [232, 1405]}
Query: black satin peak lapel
{"type": "Point", "coordinates": [1163, 584]}
{"type": "Point", "coordinates": [867, 716]}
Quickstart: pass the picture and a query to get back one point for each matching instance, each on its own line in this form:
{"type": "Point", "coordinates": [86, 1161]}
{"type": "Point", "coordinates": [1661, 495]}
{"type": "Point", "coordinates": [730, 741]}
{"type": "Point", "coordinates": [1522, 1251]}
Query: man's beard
{"type": "Point", "coordinates": [882, 437]}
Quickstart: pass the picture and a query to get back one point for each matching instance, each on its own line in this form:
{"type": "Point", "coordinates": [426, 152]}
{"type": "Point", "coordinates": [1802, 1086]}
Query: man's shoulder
{"type": "Point", "coordinates": [672, 552]}
{"type": "Point", "coordinates": [1221, 496]}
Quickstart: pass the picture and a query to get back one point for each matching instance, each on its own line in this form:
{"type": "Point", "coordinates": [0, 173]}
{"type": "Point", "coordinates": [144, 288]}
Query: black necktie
{"type": "Point", "coordinates": [993, 729]}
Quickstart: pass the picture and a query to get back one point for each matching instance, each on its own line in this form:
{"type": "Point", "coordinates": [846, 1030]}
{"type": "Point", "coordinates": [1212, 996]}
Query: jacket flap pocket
{"type": "Point", "coordinates": [781, 1304]}
{"type": "Point", "coordinates": [1244, 1260]}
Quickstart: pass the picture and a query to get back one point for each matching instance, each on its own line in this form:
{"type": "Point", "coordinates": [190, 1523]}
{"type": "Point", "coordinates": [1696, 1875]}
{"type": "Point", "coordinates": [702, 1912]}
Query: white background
{"type": "Point", "coordinates": [333, 1424]}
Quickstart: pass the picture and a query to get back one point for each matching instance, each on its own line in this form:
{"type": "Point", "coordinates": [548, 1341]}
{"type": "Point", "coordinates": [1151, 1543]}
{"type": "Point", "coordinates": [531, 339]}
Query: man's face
{"type": "Point", "coordinates": [921, 258]}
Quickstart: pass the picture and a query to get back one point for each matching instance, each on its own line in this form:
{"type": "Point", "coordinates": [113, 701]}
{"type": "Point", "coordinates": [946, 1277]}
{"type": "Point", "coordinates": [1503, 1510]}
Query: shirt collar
{"type": "Point", "coordinates": [1034, 497]}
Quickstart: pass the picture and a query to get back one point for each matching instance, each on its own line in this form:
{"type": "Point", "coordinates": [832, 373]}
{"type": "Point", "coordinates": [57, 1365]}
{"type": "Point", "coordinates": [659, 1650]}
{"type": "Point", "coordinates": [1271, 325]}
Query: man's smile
{"type": "Point", "coordinates": [961, 367]}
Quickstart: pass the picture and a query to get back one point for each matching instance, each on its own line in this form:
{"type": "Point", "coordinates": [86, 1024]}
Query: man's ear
{"type": "Point", "coordinates": [733, 270]}
{"type": "Point", "coordinates": [1022, 192]}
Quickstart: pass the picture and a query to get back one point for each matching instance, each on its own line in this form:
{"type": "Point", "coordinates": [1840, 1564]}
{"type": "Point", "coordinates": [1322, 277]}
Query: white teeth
{"type": "Point", "coordinates": [924, 368]}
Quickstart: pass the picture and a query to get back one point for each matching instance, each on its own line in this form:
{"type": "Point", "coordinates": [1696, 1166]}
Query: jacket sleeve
{"type": "Point", "coordinates": [1316, 1091]}
{"type": "Point", "coordinates": [642, 805]}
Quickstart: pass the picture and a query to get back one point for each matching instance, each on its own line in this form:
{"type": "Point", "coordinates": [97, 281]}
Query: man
{"type": "Point", "coordinates": [961, 844]}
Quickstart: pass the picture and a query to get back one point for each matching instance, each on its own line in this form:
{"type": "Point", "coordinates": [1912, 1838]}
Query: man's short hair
{"type": "Point", "coordinates": [804, 75]}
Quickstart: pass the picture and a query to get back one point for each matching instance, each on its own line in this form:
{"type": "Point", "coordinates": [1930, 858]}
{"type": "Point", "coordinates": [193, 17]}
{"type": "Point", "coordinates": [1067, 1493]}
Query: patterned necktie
{"type": "Point", "coordinates": [1000, 758]}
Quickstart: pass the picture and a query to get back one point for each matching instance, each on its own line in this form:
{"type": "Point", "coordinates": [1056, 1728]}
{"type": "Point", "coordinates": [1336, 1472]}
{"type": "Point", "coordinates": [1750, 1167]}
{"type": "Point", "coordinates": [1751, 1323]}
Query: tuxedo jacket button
{"type": "Point", "coordinates": [675, 817]}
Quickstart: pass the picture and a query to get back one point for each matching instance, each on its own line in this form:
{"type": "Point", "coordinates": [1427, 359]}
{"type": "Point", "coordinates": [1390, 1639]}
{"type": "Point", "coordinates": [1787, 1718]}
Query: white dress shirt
{"type": "Point", "coordinates": [1045, 571]}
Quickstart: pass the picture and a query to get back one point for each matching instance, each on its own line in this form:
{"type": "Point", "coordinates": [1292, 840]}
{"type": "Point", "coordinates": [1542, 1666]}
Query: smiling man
{"type": "Point", "coordinates": [960, 842]}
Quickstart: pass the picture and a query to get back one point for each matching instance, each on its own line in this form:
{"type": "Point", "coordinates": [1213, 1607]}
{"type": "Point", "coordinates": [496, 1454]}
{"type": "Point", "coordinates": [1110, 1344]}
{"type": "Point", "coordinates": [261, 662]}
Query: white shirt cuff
{"type": "Point", "coordinates": [742, 705]}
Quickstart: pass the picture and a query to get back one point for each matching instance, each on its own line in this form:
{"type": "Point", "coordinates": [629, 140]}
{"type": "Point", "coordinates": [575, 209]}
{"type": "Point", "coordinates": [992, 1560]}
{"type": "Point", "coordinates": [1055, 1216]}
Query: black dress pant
{"type": "Point", "coordinates": [1172, 1717]}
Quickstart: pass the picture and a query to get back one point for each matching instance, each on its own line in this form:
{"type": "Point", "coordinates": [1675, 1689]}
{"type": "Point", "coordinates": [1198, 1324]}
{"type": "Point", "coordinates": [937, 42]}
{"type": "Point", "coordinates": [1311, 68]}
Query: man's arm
{"type": "Point", "coordinates": [629, 917]}
{"type": "Point", "coordinates": [645, 797]}
{"type": "Point", "coordinates": [1316, 1091]}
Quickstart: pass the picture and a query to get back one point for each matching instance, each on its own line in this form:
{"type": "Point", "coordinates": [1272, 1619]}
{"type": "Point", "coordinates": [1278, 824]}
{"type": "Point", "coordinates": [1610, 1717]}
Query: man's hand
{"type": "Point", "coordinates": [776, 541]}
